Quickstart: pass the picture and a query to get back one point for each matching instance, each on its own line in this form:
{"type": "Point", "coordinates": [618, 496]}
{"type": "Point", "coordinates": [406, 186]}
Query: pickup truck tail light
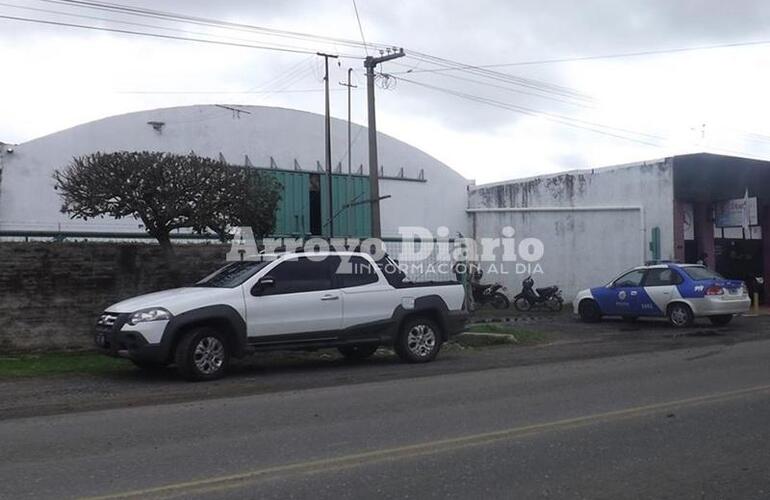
{"type": "Point", "coordinates": [715, 290]}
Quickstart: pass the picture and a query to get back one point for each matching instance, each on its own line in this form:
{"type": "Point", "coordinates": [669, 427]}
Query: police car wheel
{"type": "Point", "coordinates": [589, 311]}
{"type": "Point", "coordinates": [680, 315]}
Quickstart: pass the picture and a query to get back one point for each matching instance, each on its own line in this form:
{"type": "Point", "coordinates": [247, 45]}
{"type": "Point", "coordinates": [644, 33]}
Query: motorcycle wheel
{"type": "Point", "coordinates": [554, 304]}
{"type": "Point", "coordinates": [500, 301]}
{"type": "Point", "coordinates": [522, 304]}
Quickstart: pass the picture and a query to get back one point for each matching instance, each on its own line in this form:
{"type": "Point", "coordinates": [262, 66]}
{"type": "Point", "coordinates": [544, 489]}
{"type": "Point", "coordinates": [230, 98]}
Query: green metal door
{"type": "Point", "coordinates": [293, 215]}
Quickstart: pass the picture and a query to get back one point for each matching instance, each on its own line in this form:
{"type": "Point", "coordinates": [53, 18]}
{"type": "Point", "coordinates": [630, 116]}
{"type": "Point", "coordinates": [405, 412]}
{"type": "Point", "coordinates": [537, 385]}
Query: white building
{"type": "Point", "coordinates": [596, 223]}
{"type": "Point", "coordinates": [422, 191]}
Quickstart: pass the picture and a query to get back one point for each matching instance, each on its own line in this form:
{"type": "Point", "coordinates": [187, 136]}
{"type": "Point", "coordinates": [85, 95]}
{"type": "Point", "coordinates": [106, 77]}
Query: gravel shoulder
{"type": "Point", "coordinates": [563, 338]}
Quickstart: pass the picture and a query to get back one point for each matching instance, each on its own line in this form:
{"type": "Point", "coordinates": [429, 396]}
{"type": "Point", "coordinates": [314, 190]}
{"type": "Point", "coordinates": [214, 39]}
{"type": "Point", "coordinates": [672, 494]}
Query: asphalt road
{"type": "Point", "coordinates": [682, 423]}
{"type": "Point", "coordinates": [567, 339]}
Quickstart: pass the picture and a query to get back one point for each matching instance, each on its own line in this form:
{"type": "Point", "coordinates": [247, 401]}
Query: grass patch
{"type": "Point", "coordinates": [40, 365]}
{"type": "Point", "coordinates": [520, 336]}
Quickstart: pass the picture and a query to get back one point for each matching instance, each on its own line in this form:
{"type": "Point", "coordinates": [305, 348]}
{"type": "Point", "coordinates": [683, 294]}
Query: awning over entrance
{"type": "Point", "coordinates": [708, 177]}
{"type": "Point", "coordinates": [711, 228]}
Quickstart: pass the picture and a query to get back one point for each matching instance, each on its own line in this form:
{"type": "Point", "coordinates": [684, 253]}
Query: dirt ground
{"type": "Point", "coordinates": [565, 338]}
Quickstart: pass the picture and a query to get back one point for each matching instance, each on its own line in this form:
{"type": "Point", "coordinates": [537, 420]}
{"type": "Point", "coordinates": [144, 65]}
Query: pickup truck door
{"type": "Point", "coordinates": [368, 301]}
{"type": "Point", "coordinates": [300, 300]}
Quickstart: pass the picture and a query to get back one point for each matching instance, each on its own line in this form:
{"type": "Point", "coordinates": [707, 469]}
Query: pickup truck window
{"type": "Point", "coordinates": [232, 275]}
{"type": "Point", "coordinates": [300, 275]}
{"type": "Point", "coordinates": [361, 272]}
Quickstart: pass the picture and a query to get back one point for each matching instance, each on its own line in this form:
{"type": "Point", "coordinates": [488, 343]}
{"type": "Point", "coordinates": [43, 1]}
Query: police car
{"type": "Point", "coordinates": [680, 292]}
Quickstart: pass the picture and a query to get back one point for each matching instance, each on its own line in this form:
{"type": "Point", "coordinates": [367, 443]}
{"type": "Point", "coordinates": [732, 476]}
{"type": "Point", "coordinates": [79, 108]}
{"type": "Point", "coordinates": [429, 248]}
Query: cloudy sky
{"type": "Point", "coordinates": [510, 120]}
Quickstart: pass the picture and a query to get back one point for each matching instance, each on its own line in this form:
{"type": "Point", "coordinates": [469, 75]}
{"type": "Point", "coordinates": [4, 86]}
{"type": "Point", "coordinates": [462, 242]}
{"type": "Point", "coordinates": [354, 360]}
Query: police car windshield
{"type": "Point", "coordinates": [233, 274]}
{"type": "Point", "coordinates": [701, 273]}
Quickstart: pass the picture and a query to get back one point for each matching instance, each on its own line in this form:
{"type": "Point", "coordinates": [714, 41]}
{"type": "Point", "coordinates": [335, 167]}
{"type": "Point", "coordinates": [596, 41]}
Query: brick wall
{"type": "Point", "coordinates": [52, 293]}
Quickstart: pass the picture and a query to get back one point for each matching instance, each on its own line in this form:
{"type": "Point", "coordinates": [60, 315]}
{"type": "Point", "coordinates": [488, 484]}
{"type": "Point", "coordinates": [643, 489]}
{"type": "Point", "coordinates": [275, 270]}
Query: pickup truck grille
{"type": "Point", "coordinates": [107, 320]}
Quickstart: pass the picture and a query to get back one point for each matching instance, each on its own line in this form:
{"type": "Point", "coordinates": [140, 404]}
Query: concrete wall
{"type": "Point", "coordinates": [28, 201]}
{"type": "Point", "coordinates": [52, 293]}
{"type": "Point", "coordinates": [583, 247]}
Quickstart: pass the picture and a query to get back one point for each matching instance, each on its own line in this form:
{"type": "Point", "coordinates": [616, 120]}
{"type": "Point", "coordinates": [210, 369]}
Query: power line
{"type": "Point", "coordinates": [130, 23]}
{"type": "Point", "coordinates": [565, 120]}
{"type": "Point", "coordinates": [175, 17]}
{"type": "Point", "coordinates": [509, 88]}
{"type": "Point", "coordinates": [360, 27]}
{"type": "Point", "coordinates": [221, 92]}
{"type": "Point", "coordinates": [530, 83]}
{"type": "Point", "coordinates": [156, 35]}
{"type": "Point", "coordinates": [595, 57]}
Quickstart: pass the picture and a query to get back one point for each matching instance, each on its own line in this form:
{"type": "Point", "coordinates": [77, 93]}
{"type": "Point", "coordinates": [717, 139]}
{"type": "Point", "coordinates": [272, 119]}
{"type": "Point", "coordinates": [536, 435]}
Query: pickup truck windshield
{"type": "Point", "coordinates": [232, 275]}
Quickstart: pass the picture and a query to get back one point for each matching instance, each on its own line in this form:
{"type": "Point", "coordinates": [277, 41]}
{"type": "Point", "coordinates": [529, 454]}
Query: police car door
{"type": "Point", "coordinates": [659, 288]}
{"type": "Point", "coordinates": [622, 296]}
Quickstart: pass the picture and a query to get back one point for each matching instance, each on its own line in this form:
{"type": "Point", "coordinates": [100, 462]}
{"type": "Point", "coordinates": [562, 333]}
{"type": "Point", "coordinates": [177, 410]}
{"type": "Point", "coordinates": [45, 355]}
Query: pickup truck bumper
{"type": "Point", "coordinates": [111, 340]}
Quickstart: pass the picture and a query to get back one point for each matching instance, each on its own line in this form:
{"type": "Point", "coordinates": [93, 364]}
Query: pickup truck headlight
{"type": "Point", "coordinates": [151, 314]}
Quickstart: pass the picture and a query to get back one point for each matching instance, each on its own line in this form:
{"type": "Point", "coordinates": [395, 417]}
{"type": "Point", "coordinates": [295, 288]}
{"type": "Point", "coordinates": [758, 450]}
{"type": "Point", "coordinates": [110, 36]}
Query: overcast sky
{"type": "Point", "coordinates": [646, 107]}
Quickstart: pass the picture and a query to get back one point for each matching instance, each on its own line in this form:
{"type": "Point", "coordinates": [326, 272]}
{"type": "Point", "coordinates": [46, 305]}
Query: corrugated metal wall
{"type": "Point", "coordinates": [293, 215]}
{"type": "Point", "coordinates": [348, 221]}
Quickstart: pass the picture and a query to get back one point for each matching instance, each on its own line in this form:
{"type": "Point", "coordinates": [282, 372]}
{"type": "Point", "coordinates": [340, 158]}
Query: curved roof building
{"type": "Point", "coordinates": [421, 190]}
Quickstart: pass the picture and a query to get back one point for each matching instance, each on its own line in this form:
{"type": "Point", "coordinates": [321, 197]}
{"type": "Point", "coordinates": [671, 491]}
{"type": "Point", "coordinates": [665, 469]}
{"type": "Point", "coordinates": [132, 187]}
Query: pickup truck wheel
{"type": "Point", "coordinates": [357, 352]}
{"type": "Point", "coordinates": [419, 340]}
{"type": "Point", "coordinates": [202, 354]}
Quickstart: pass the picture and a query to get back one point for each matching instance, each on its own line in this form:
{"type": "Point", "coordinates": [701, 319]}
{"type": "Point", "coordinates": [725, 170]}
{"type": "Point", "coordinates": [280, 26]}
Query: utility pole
{"type": "Point", "coordinates": [328, 140]}
{"type": "Point", "coordinates": [374, 182]}
{"type": "Point", "coordinates": [350, 214]}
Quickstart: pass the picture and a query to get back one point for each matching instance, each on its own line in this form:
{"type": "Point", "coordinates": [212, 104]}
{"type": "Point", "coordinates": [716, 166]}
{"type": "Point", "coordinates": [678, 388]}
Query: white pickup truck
{"type": "Point", "coordinates": [289, 301]}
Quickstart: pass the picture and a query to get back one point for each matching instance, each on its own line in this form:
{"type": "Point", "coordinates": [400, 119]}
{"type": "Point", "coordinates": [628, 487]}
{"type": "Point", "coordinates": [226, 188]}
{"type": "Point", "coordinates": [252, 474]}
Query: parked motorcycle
{"type": "Point", "coordinates": [530, 297]}
{"type": "Point", "coordinates": [490, 294]}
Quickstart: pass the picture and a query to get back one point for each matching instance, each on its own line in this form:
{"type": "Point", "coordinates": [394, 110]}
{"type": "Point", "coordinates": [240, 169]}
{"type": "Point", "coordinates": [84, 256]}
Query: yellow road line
{"type": "Point", "coordinates": [426, 448]}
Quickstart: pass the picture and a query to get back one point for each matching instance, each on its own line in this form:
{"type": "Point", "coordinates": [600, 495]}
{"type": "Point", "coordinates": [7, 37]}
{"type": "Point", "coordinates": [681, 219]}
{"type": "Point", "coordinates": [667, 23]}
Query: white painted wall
{"type": "Point", "coordinates": [587, 247]}
{"type": "Point", "coordinates": [29, 202]}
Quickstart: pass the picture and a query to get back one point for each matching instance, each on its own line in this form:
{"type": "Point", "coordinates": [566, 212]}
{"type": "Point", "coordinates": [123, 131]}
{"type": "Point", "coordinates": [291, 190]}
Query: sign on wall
{"type": "Point", "coordinates": [730, 213]}
{"type": "Point", "coordinates": [688, 221]}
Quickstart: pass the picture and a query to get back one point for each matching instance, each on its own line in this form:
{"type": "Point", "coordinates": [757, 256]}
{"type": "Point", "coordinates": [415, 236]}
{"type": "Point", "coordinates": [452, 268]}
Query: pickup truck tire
{"type": "Point", "coordinates": [202, 354]}
{"type": "Point", "coordinates": [419, 340]}
{"type": "Point", "coordinates": [357, 352]}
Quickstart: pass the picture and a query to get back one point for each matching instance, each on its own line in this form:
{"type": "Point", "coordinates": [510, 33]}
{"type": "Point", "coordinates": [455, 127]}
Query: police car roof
{"type": "Point", "coordinates": [668, 264]}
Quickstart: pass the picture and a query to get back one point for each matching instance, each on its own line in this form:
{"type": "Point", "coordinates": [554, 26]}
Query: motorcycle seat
{"type": "Point", "coordinates": [545, 291]}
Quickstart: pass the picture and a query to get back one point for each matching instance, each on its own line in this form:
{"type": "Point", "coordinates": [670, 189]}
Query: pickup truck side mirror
{"type": "Point", "coordinates": [262, 284]}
